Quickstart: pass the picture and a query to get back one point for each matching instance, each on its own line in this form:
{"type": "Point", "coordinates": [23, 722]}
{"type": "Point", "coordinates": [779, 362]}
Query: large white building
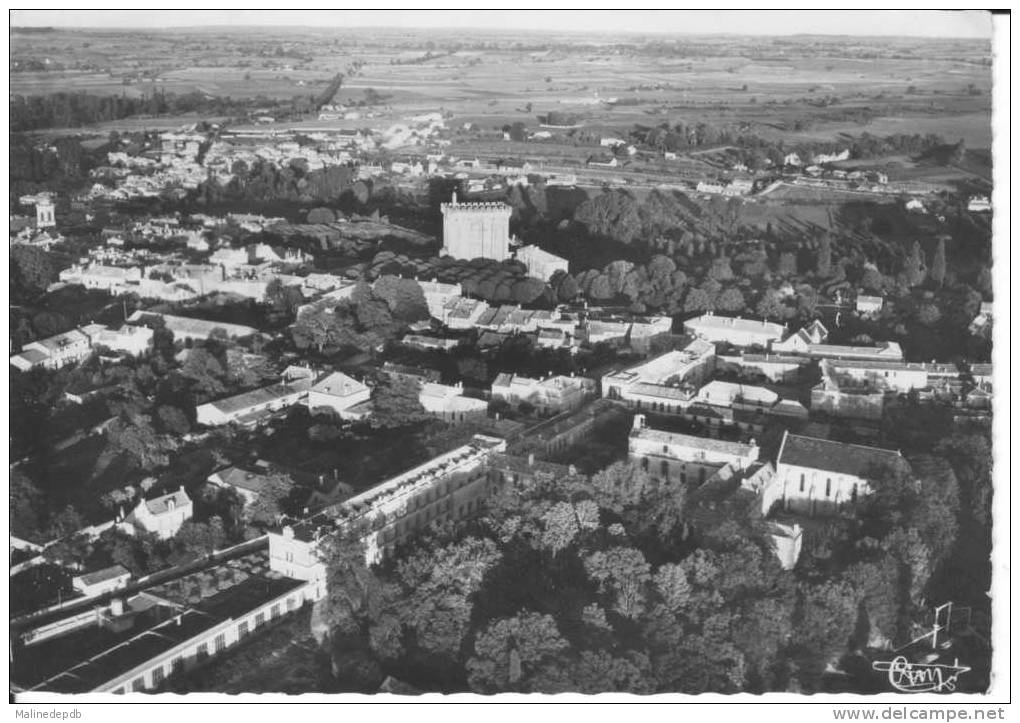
{"type": "Point", "coordinates": [254, 406]}
{"type": "Point", "coordinates": [449, 403]}
{"type": "Point", "coordinates": [53, 352]}
{"type": "Point", "coordinates": [134, 340]}
{"type": "Point", "coordinates": [449, 487]}
{"type": "Point", "coordinates": [551, 395]}
{"type": "Point", "coordinates": [822, 477]}
{"type": "Point", "coordinates": [734, 330]}
{"type": "Point", "coordinates": [541, 264]}
{"type": "Point", "coordinates": [665, 383]}
{"type": "Point", "coordinates": [476, 230]}
{"type": "Point", "coordinates": [438, 295]}
{"type": "Point", "coordinates": [685, 457]}
{"type": "Point", "coordinates": [340, 393]}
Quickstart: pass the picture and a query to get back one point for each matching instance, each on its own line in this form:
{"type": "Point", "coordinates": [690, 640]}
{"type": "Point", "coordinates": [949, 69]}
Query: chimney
{"type": "Point", "coordinates": [531, 459]}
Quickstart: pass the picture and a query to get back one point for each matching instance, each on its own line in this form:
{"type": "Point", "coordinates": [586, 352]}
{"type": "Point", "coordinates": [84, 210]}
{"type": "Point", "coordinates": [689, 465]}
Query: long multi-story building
{"type": "Point", "coordinates": [449, 487]}
{"type": "Point", "coordinates": [476, 230]}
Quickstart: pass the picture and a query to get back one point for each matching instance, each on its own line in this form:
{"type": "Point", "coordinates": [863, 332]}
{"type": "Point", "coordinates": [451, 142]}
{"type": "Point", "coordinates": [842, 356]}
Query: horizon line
{"type": "Point", "coordinates": [497, 30]}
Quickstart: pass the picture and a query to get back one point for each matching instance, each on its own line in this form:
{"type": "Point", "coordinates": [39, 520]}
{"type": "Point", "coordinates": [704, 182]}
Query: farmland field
{"type": "Point", "coordinates": [766, 85]}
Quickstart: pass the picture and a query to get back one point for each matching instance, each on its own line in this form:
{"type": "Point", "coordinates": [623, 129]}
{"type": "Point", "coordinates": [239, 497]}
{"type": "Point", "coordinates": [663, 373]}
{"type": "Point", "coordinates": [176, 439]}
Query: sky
{"type": "Point", "coordinates": [927, 23]}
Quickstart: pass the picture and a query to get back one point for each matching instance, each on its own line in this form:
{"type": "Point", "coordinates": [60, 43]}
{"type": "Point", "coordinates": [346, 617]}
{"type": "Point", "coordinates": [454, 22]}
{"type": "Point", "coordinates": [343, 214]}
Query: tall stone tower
{"type": "Point", "coordinates": [45, 214]}
{"type": "Point", "coordinates": [472, 230]}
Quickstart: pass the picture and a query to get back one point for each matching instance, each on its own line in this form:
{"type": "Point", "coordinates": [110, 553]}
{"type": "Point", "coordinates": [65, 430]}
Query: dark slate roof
{"type": "Point", "coordinates": [107, 573]}
{"type": "Point", "coordinates": [837, 457]}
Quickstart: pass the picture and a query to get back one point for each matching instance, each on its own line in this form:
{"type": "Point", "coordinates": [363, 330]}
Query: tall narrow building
{"type": "Point", "coordinates": [473, 230]}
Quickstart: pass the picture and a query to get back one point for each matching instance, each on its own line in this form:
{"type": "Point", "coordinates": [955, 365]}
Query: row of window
{"type": "Point", "coordinates": [158, 674]}
{"type": "Point", "coordinates": [664, 470]}
{"type": "Point", "coordinates": [828, 487]}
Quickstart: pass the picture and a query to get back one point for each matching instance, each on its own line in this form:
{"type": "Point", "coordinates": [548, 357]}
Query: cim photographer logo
{"type": "Point", "coordinates": [908, 677]}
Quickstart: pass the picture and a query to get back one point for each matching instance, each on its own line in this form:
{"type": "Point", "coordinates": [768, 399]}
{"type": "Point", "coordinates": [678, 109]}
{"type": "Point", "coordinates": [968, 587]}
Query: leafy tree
{"type": "Point", "coordinates": [720, 269]}
{"type": "Point", "coordinates": [872, 280]}
{"type": "Point", "coordinates": [697, 300]}
{"type": "Point", "coordinates": [356, 597]}
{"type": "Point", "coordinates": [197, 539]}
{"type": "Point", "coordinates": [732, 299]}
{"type": "Point", "coordinates": [913, 266]}
{"type": "Point", "coordinates": [173, 420]}
{"type": "Point", "coordinates": [135, 437]}
{"type": "Point", "coordinates": [771, 306]}
{"type": "Point", "coordinates": [928, 314]}
{"type": "Point", "coordinates": [613, 214]}
{"type": "Point", "coordinates": [787, 264]}
{"type": "Point", "coordinates": [268, 504]}
{"type": "Point", "coordinates": [31, 271]}
{"type": "Point", "coordinates": [205, 372]}
{"type": "Point", "coordinates": [824, 265]}
{"type": "Point", "coordinates": [937, 272]}
{"type": "Point", "coordinates": [439, 586]}
{"type": "Point", "coordinates": [396, 403]}
{"type": "Point", "coordinates": [404, 297]}
{"type": "Point", "coordinates": [322, 331]}
{"type": "Point", "coordinates": [65, 522]}
{"type": "Point", "coordinates": [623, 576]}
{"type": "Point", "coordinates": [26, 505]}
{"type": "Point", "coordinates": [823, 625]}
{"type": "Point", "coordinates": [598, 671]}
{"type": "Point", "coordinates": [510, 653]}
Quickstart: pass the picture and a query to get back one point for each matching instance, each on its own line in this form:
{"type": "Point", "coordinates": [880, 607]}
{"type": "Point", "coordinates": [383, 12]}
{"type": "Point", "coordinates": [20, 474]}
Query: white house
{"type": "Point", "coordinates": [91, 584]}
{"type": "Point", "coordinates": [869, 305]}
{"type": "Point", "coordinates": [683, 456]}
{"type": "Point", "coordinates": [822, 477]}
{"type": "Point", "coordinates": [438, 295]}
{"type": "Point", "coordinates": [53, 352]}
{"type": "Point", "coordinates": [541, 264]}
{"type": "Point", "coordinates": [163, 515]}
{"type": "Point", "coordinates": [340, 393]}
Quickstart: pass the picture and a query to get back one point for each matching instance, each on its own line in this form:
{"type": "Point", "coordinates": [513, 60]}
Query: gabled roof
{"type": "Point", "coordinates": [836, 457]}
{"type": "Point", "coordinates": [241, 479]}
{"type": "Point", "coordinates": [338, 384]}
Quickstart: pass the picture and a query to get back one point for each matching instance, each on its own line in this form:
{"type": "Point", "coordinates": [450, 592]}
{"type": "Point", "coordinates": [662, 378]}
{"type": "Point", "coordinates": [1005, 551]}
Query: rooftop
{"type": "Point", "coordinates": [169, 502]}
{"type": "Point", "coordinates": [107, 573]}
{"type": "Point", "coordinates": [837, 457]}
{"type": "Point", "coordinates": [338, 384]}
{"type": "Point", "coordinates": [711, 321]}
{"type": "Point", "coordinates": [256, 397]}
{"type": "Point", "coordinates": [688, 440]}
